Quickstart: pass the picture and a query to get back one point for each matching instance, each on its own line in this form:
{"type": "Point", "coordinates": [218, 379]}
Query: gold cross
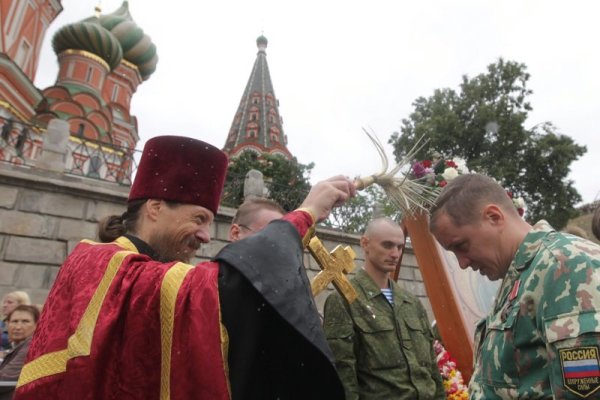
{"type": "Point", "coordinates": [334, 266]}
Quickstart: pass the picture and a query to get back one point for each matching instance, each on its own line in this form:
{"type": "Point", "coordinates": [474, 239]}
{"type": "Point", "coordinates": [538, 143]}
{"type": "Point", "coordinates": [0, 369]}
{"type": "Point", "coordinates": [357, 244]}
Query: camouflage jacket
{"type": "Point", "coordinates": [542, 338]}
{"type": "Point", "coordinates": [382, 352]}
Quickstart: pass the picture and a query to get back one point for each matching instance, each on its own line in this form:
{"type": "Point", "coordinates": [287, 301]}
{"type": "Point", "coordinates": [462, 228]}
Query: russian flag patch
{"type": "Point", "coordinates": [581, 369]}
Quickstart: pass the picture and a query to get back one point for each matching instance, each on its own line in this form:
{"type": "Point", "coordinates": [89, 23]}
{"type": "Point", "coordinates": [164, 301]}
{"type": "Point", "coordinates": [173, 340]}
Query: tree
{"type": "Point", "coordinates": [287, 181]}
{"type": "Point", "coordinates": [354, 215]}
{"type": "Point", "coordinates": [484, 123]}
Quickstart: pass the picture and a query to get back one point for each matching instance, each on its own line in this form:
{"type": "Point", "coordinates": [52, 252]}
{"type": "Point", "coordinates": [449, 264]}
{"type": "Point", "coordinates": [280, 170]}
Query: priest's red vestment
{"type": "Point", "coordinates": [119, 325]}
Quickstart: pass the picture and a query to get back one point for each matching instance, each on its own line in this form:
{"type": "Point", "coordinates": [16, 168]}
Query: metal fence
{"type": "Point", "coordinates": [21, 144]}
{"type": "Point", "coordinates": [103, 161]}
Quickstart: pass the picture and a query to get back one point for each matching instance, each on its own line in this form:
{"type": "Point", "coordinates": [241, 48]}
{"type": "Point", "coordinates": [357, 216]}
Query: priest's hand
{"type": "Point", "coordinates": [327, 194]}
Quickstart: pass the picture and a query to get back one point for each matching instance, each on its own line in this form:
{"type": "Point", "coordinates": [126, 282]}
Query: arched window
{"type": "Point", "coordinates": [115, 93]}
{"type": "Point", "coordinates": [89, 74]}
{"type": "Point", "coordinates": [270, 100]}
{"type": "Point", "coordinates": [253, 113]}
{"type": "Point", "coordinates": [252, 130]}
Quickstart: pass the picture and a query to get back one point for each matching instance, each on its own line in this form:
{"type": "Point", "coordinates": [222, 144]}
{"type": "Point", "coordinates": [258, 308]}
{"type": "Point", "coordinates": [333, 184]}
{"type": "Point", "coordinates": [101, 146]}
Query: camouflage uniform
{"type": "Point", "coordinates": [382, 352]}
{"type": "Point", "coordinates": [542, 337]}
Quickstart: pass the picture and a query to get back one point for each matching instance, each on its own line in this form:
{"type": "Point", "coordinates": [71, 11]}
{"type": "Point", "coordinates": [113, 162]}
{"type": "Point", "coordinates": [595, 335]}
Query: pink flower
{"type": "Point", "coordinates": [453, 381]}
{"type": "Point", "coordinates": [419, 170]}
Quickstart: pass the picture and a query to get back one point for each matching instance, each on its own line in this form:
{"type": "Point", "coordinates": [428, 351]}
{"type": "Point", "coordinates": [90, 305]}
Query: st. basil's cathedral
{"type": "Point", "coordinates": [102, 60]}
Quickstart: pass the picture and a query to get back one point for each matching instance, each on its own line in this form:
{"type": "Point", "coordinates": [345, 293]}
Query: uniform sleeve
{"type": "Point", "coordinates": [339, 331]}
{"type": "Point", "coordinates": [571, 324]}
{"type": "Point", "coordinates": [574, 372]}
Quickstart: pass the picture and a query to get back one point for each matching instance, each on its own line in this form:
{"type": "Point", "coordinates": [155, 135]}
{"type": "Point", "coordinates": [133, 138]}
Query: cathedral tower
{"type": "Point", "coordinates": [257, 125]}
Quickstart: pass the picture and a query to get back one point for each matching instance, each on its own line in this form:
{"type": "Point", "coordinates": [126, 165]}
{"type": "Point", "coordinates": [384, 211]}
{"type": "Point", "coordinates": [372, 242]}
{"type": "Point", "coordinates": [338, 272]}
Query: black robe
{"type": "Point", "coordinates": [277, 348]}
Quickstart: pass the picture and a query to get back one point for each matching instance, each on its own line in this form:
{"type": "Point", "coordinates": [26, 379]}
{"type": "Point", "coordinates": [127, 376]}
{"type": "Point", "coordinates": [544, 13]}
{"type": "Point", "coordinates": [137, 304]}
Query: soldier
{"type": "Point", "coordinates": [382, 342]}
{"type": "Point", "coordinates": [541, 339]}
{"type": "Point", "coordinates": [252, 216]}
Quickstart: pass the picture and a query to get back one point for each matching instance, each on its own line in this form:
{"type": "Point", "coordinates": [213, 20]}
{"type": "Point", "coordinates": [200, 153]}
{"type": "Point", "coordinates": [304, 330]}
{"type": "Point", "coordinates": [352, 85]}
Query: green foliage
{"type": "Point", "coordinates": [287, 181]}
{"type": "Point", "coordinates": [484, 123]}
{"type": "Point", "coordinates": [355, 214]}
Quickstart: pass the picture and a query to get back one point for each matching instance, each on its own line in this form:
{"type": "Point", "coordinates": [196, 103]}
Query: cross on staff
{"type": "Point", "coordinates": [335, 266]}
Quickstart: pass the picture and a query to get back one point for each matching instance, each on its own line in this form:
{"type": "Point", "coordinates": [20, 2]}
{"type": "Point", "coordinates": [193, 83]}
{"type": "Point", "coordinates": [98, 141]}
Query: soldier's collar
{"type": "Point", "coordinates": [531, 244]}
{"type": "Point", "coordinates": [371, 289]}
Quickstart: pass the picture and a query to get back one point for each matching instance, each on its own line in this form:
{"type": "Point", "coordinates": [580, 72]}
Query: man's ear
{"type": "Point", "coordinates": [234, 233]}
{"type": "Point", "coordinates": [152, 208]}
{"type": "Point", "coordinates": [364, 242]}
{"type": "Point", "coordinates": [493, 214]}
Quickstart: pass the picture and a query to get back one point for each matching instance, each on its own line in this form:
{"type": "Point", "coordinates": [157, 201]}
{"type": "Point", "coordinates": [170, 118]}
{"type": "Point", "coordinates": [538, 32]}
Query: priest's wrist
{"type": "Point", "coordinates": [312, 230]}
{"type": "Point", "coordinates": [310, 212]}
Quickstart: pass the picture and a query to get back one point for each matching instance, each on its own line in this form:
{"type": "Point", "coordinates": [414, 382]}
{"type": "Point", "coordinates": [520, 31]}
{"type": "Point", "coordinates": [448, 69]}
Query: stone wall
{"type": "Point", "coordinates": [44, 214]}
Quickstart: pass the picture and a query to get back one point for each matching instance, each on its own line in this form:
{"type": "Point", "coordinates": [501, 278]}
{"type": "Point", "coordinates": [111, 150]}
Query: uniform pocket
{"type": "Point", "coordinates": [419, 340]}
{"type": "Point", "coordinates": [379, 347]}
{"type": "Point", "coordinates": [338, 331]}
{"type": "Point", "coordinates": [498, 363]}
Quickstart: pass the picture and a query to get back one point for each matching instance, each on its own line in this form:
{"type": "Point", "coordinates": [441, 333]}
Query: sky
{"type": "Point", "coordinates": [338, 66]}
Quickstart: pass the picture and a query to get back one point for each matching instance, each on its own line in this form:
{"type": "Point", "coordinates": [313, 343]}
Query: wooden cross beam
{"type": "Point", "coordinates": [335, 266]}
{"type": "Point", "coordinates": [440, 290]}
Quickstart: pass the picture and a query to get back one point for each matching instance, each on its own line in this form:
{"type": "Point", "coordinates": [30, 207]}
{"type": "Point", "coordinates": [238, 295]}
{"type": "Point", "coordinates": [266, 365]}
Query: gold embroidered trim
{"type": "Point", "coordinates": [225, 350]}
{"type": "Point", "coordinates": [80, 343]}
{"type": "Point", "coordinates": [168, 297]}
{"type": "Point", "coordinates": [121, 241]}
{"type": "Point", "coordinates": [126, 244]}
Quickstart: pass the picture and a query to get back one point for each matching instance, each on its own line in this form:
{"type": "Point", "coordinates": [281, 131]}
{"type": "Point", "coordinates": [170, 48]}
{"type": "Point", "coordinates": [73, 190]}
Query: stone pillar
{"type": "Point", "coordinates": [254, 185]}
{"type": "Point", "coordinates": [378, 210]}
{"type": "Point", "coordinates": [54, 149]}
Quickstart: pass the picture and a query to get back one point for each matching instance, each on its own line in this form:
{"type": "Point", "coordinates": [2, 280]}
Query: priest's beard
{"type": "Point", "coordinates": [169, 247]}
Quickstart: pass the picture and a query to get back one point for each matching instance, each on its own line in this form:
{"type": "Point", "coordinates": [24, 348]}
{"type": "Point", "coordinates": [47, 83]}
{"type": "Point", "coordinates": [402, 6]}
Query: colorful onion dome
{"type": "Point", "coordinates": [90, 37]}
{"type": "Point", "coordinates": [137, 47]}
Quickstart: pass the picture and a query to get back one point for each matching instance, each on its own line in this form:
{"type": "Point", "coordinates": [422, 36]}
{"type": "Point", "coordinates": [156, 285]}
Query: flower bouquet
{"type": "Point", "coordinates": [451, 376]}
{"type": "Point", "coordinates": [437, 172]}
{"type": "Point", "coordinates": [417, 189]}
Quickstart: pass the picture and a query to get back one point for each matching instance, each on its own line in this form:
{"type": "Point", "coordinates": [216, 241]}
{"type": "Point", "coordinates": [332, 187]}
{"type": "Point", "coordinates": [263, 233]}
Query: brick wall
{"type": "Point", "coordinates": [43, 215]}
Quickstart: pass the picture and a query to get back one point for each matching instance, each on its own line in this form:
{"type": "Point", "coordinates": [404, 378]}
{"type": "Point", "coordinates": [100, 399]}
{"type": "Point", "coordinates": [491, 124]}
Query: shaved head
{"type": "Point", "coordinates": [377, 224]}
{"type": "Point", "coordinates": [382, 244]}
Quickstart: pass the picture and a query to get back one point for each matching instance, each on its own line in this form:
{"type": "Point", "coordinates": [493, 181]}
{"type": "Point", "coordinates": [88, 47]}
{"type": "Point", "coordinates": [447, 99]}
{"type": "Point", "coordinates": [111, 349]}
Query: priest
{"type": "Point", "coordinates": [129, 318]}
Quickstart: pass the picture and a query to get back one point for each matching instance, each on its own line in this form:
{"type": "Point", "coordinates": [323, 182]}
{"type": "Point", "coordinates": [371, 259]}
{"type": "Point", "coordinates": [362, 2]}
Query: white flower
{"type": "Point", "coordinates": [519, 202]}
{"type": "Point", "coordinates": [449, 174]}
{"type": "Point", "coordinates": [461, 165]}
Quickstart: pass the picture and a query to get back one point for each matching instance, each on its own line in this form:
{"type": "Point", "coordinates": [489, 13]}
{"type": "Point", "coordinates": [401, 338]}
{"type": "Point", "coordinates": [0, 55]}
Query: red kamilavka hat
{"type": "Point", "coordinates": [180, 169]}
